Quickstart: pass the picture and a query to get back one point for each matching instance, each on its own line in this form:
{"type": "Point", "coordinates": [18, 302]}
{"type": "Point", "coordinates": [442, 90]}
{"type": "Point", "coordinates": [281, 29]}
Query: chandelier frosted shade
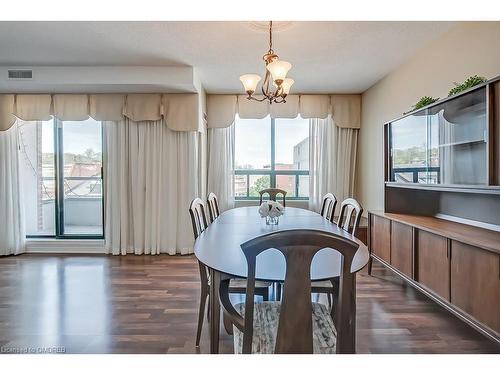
{"type": "Point", "coordinates": [279, 70]}
{"type": "Point", "coordinates": [250, 82]}
{"type": "Point", "coordinates": [286, 85]}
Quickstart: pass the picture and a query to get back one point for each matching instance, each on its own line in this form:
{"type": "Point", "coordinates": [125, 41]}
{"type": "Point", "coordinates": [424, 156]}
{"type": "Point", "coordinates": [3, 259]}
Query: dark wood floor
{"type": "Point", "coordinates": [148, 304]}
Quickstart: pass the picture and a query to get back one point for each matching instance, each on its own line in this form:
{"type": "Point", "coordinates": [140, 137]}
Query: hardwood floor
{"type": "Point", "coordinates": [149, 304]}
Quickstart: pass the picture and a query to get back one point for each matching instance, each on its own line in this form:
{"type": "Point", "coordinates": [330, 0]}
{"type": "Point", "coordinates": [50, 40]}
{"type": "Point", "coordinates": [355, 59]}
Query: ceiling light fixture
{"type": "Point", "coordinates": [277, 70]}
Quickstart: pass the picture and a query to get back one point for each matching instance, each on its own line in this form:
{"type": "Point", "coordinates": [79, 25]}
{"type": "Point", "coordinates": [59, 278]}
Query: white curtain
{"type": "Point", "coordinates": [332, 155]}
{"type": "Point", "coordinates": [12, 236]}
{"type": "Point", "coordinates": [221, 165]}
{"type": "Point", "coordinates": [151, 178]}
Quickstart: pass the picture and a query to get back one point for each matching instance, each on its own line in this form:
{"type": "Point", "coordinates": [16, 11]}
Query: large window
{"type": "Point", "coordinates": [61, 166]}
{"type": "Point", "coordinates": [271, 153]}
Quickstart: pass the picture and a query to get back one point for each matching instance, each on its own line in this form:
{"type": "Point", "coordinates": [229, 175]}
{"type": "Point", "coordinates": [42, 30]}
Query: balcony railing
{"type": "Point", "coordinates": [431, 175]}
{"type": "Point", "coordinates": [81, 206]}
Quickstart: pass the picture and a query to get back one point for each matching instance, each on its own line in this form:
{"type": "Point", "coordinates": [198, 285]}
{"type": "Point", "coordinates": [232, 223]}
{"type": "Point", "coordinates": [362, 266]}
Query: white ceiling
{"type": "Point", "coordinates": [327, 57]}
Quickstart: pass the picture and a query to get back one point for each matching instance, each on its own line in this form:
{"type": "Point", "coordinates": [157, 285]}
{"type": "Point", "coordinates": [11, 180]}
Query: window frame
{"type": "Point", "coordinates": [273, 172]}
{"type": "Point", "coordinates": [59, 190]}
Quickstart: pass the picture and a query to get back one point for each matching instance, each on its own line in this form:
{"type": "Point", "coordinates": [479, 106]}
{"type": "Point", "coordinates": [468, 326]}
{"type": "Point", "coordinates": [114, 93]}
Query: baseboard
{"type": "Point", "coordinates": [50, 246]}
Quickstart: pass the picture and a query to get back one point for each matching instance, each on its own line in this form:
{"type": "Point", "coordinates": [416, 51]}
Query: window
{"type": "Point", "coordinates": [271, 153]}
{"type": "Point", "coordinates": [61, 166]}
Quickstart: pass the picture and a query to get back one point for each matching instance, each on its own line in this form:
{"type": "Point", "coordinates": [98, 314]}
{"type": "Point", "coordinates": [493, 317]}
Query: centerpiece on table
{"type": "Point", "coordinates": [272, 211]}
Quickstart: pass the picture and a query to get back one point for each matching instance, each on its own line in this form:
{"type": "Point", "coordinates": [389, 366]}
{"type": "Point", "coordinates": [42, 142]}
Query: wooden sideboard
{"type": "Point", "coordinates": [455, 264]}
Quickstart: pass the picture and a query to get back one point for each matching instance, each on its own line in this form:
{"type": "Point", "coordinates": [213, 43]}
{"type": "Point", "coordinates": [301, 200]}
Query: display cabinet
{"type": "Point", "coordinates": [440, 228]}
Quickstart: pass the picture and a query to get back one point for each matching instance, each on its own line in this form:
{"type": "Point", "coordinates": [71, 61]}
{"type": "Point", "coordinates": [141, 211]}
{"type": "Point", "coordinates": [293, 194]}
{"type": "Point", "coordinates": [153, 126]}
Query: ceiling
{"type": "Point", "coordinates": [327, 57]}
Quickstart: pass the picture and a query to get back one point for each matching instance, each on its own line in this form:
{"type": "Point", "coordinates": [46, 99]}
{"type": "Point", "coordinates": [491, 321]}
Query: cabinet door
{"type": "Point", "coordinates": [402, 247]}
{"type": "Point", "coordinates": [380, 237]}
{"type": "Point", "coordinates": [361, 234]}
{"type": "Point", "coordinates": [434, 263]}
{"type": "Point", "coordinates": [475, 283]}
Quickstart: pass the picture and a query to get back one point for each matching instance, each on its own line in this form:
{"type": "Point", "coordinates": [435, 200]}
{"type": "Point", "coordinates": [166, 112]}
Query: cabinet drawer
{"type": "Point", "coordinates": [475, 283]}
{"type": "Point", "coordinates": [402, 247]}
{"type": "Point", "coordinates": [433, 263]}
{"type": "Point", "coordinates": [380, 237]}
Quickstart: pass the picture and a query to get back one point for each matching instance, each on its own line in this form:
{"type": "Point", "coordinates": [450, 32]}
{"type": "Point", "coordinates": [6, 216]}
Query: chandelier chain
{"type": "Point", "coordinates": [270, 36]}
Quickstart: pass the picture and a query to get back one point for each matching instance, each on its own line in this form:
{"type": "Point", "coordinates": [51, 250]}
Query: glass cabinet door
{"type": "Point", "coordinates": [409, 149]}
{"type": "Point", "coordinates": [458, 140]}
{"type": "Point", "coordinates": [445, 144]}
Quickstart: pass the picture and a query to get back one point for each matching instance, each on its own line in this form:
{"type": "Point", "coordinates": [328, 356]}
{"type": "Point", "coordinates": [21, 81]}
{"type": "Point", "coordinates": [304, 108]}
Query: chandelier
{"type": "Point", "coordinates": [275, 68]}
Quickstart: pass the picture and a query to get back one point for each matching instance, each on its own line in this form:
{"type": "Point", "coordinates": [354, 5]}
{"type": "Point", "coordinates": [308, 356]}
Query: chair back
{"type": "Point", "coordinates": [213, 206]}
{"type": "Point", "coordinates": [199, 222]}
{"type": "Point", "coordinates": [295, 327]}
{"type": "Point", "coordinates": [272, 194]}
{"type": "Point", "coordinates": [350, 215]}
{"type": "Point", "coordinates": [328, 206]}
{"type": "Point", "coordinates": [198, 217]}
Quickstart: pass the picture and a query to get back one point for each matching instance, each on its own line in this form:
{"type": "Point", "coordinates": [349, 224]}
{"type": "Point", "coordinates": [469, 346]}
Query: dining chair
{"type": "Point", "coordinates": [328, 206]}
{"type": "Point", "coordinates": [295, 324]}
{"type": "Point", "coordinates": [349, 217]}
{"type": "Point", "coordinates": [213, 206]}
{"type": "Point", "coordinates": [200, 224]}
{"type": "Point", "coordinates": [273, 194]}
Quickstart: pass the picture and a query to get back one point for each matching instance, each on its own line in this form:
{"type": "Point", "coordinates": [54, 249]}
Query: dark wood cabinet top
{"type": "Point", "coordinates": [468, 234]}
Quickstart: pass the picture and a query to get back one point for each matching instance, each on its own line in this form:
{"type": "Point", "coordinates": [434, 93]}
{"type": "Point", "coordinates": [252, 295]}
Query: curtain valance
{"type": "Point", "coordinates": [181, 111]}
{"type": "Point", "coordinates": [221, 110]}
{"type": "Point", "coordinates": [143, 107]}
{"type": "Point", "coordinates": [251, 108]}
{"type": "Point", "coordinates": [290, 109]}
{"type": "Point", "coordinates": [345, 109]}
{"type": "Point", "coordinates": [70, 107]}
{"type": "Point", "coordinates": [33, 107]}
{"type": "Point", "coordinates": [314, 106]}
{"type": "Point", "coordinates": [107, 107]}
{"type": "Point", "coordinates": [7, 119]}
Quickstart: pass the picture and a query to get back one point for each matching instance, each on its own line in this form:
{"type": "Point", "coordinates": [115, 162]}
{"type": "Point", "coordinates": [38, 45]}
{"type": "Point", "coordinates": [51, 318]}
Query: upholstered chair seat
{"type": "Point", "coordinates": [242, 284]}
{"type": "Point", "coordinates": [266, 318]}
{"type": "Point", "coordinates": [321, 284]}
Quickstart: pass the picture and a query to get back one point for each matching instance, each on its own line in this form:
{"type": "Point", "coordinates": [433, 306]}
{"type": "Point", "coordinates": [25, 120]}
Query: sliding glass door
{"type": "Point", "coordinates": [62, 178]}
{"type": "Point", "coordinates": [80, 178]}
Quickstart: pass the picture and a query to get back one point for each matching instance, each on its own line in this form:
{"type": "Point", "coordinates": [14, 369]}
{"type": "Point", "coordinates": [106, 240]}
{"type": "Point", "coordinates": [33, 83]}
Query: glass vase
{"type": "Point", "coordinates": [272, 220]}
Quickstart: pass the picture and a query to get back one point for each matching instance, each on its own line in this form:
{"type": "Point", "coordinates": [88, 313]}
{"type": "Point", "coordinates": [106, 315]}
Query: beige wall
{"type": "Point", "coordinates": [467, 49]}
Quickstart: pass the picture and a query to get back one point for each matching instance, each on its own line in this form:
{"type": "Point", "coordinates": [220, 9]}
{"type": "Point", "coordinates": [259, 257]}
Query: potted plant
{"type": "Point", "coordinates": [423, 102]}
{"type": "Point", "coordinates": [467, 84]}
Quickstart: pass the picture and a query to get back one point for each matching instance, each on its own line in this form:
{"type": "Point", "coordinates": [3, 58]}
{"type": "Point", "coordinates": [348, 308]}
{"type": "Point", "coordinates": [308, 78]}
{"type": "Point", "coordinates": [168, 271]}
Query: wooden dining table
{"type": "Point", "coordinates": [218, 248]}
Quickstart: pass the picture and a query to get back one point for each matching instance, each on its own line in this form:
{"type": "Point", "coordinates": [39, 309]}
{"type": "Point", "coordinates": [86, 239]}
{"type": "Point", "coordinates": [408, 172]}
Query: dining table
{"type": "Point", "coordinates": [218, 248]}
